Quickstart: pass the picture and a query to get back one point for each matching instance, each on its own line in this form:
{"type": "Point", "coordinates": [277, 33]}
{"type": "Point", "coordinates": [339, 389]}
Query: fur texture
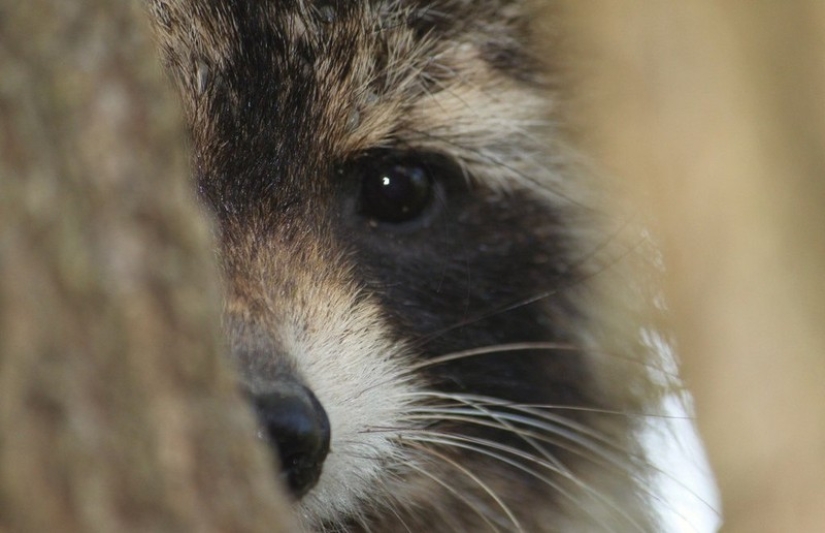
{"type": "Point", "coordinates": [470, 381]}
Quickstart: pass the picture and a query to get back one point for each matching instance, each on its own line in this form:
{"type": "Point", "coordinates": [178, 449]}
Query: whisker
{"type": "Point", "coordinates": [455, 492]}
{"type": "Point", "coordinates": [486, 488]}
{"type": "Point", "coordinates": [556, 347]}
{"type": "Point", "coordinates": [539, 420]}
{"type": "Point", "coordinates": [602, 457]}
{"type": "Point", "coordinates": [590, 440]}
{"type": "Point", "coordinates": [578, 408]}
{"type": "Point", "coordinates": [593, 446]}
{"type": "Point", "coordinates": [413, 466]}
{"type": "Point", "coordinates": [609, 412]}
{"type": "Point", "coordinates": [478, 446]}
{"type": "Point", "coordinates": [473, 418]}
{"type": "Point", "coordinates": [551, 461]}
{"type": "Point", "coordinates": [557, 465]}
{"type": "Point", "coordinates": [587, 437]}
{"type": "Point", "coordinates": [589, 449]}
{"type": "Point", "coordinates": [496, 348]}
{"type": "Point", "coordinates": [392, 505]}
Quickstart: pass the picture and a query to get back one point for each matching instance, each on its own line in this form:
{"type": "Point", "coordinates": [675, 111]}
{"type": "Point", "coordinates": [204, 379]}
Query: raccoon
{"type": "Point", "coordinates": [414, 264]}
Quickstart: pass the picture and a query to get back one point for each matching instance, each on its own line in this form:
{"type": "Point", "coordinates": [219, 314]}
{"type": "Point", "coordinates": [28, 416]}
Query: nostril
{"type": "Point", "coordinates": [297, 426]}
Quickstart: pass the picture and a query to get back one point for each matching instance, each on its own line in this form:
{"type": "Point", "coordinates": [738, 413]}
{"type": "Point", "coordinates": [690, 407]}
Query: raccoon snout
{"type": "Point", "coordinates": [295, 424]}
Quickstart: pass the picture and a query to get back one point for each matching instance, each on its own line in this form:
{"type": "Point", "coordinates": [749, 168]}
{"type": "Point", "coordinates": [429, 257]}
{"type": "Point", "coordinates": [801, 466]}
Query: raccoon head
{"type": "Point", "coordinates": [404, 256]}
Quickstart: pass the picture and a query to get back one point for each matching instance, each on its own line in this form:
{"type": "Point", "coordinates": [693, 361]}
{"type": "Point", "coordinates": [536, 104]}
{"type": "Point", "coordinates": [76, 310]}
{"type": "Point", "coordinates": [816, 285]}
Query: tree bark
{"type": "Point", "coordinates": [117, 409]}
{"type": "Point", "coordinates": [714, 113]}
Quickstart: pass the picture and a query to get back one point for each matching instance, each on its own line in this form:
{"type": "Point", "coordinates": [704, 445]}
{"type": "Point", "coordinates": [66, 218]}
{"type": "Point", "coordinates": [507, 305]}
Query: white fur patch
{"type": "Point", "coordinates": [341, 350]}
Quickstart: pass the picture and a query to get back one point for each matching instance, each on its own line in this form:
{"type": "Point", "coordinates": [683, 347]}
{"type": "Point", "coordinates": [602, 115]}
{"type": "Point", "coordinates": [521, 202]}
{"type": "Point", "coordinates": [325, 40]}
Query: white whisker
{"type": "Point", "coordinates": [455, 492]}
{"type": "Point", "coordinates": [556, 347]}
{"type": "Point", "coordinates": [478, 446]}
{"type": "Point", "coordinates": [594, 447]}
{"type": "Point", "coordinates": [484, 486]}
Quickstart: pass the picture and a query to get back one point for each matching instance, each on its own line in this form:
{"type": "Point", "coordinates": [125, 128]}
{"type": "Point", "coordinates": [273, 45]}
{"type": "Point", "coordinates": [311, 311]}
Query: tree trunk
{"type": "Point", "coordinates": [117, 410]}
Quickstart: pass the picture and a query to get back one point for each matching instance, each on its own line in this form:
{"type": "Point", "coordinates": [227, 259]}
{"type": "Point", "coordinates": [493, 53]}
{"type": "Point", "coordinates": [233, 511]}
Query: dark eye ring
{"type": "Point", "coordinates": [395, 189]}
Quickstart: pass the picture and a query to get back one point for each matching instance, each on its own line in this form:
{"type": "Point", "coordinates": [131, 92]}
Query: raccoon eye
{"type": "Point", "coordinates": [395, 190]}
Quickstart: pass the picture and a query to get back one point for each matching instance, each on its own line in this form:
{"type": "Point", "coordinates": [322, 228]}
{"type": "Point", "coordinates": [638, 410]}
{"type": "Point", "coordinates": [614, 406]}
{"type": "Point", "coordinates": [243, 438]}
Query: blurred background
{"type": "Point", "coordinates": [713, 115]}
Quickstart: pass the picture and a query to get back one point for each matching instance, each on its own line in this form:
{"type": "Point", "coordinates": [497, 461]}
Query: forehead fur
{"type": "Point", "coordinates": [332, 79]}
{"type": "Point", "coordinates": [209, 30]}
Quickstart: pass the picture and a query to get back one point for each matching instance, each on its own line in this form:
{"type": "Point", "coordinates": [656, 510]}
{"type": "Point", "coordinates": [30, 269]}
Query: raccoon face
{"type": "Point", "coordinates": [403, 260]}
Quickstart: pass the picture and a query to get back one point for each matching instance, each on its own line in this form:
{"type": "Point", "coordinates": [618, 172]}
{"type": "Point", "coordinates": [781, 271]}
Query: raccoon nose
{"type": "Point", "coordinates": [296, 425]}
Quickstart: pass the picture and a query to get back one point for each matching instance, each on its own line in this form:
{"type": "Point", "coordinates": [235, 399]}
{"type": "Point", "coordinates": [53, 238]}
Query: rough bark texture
{"type": "Point", "coordinates": [117, 412]}
{"type": "Point", "coordinates": [715, 110]}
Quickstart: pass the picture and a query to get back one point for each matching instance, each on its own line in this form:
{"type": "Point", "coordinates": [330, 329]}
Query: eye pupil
{"type": "Point", "coordinates": [395, 191]}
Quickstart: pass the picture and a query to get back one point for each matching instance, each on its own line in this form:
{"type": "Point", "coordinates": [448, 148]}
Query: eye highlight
{"type": "Point", "coordinates": [395, 188]}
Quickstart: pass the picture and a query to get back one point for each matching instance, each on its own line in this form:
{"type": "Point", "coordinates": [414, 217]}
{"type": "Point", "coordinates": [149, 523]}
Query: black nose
{"type": "Point", "coordinates": [296, 425]}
